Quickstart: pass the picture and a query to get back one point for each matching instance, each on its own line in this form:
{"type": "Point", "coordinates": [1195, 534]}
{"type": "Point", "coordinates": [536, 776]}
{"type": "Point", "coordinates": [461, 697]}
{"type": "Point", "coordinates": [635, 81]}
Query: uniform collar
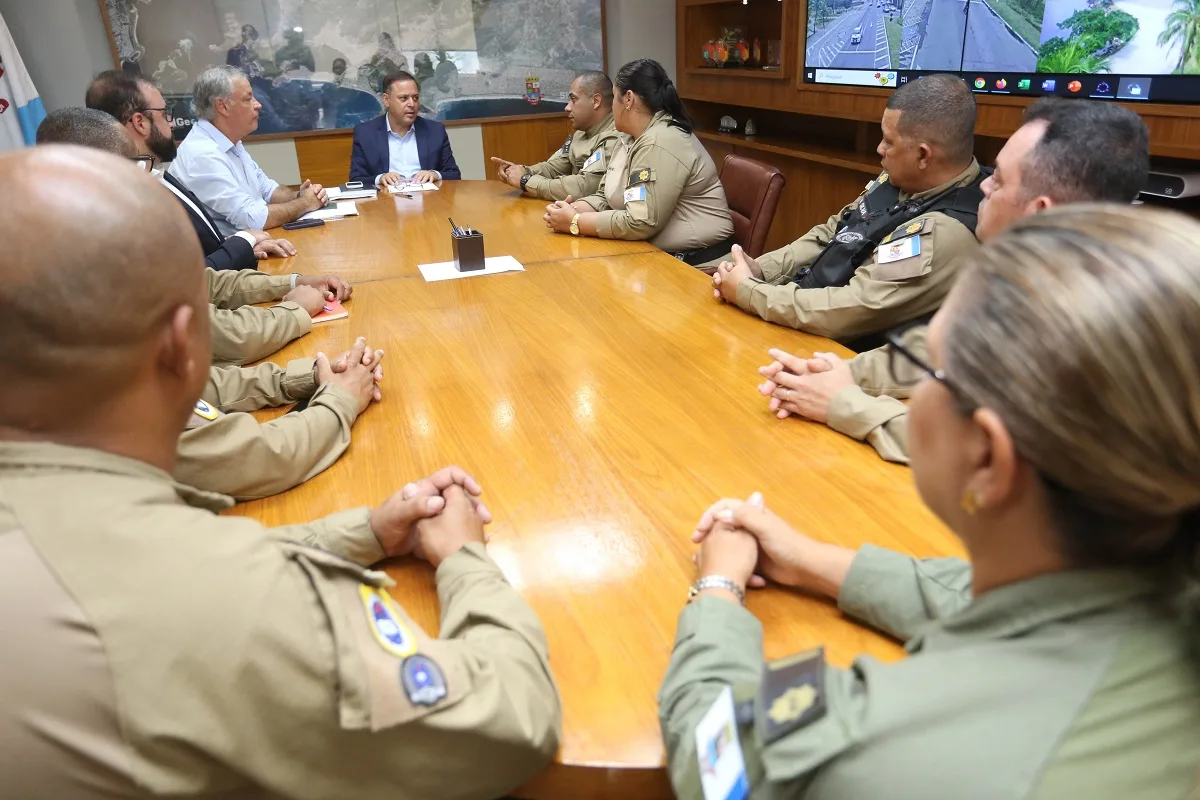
{"type": "Point", "coordinates": [213, 133]}
{"type": "Point", "coordinates": [47, 457]}
{"type": "Point", "coordinates": [600, 127]}
{"type": "Point", "coordinates": [1018, 608]}
{"type": "Point", "coordinates": [661, 118]}
{"type": "Point", "coordinates": [963, 178]}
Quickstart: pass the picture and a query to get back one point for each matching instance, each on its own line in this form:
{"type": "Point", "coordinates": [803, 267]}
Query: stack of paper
{"type": "Point", "coordinates": [338, 211]}
{"type": "Point", "coordinates": [338, 193]}
{"type": "Point", "coordinates": [412, 187]}
{"type": "Point", "coordinates": [446, 271]}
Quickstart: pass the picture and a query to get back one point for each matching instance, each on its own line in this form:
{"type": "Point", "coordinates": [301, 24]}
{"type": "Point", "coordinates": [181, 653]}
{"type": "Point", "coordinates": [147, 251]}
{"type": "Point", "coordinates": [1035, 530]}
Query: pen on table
{"type": "Point", "coordinates": [454, 228]}
{"type": "Point", "coordinates": [327, 308]}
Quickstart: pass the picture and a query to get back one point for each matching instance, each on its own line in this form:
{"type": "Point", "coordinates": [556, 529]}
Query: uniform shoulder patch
{"type": "Point", "coordinates": [914, 227]}
{"type": "Point", "coordinates": [386, 622]}
{"type": "Point", "coordinates": [792, 695]}
{"type": "Point", "coordinates": [566, 148]}
{"type": "Point", "coordinates": [640, 176]}
{"type": "Point", "coordinates": [423, 680]}
{"type": "Point", "coordinates": [206, 411]}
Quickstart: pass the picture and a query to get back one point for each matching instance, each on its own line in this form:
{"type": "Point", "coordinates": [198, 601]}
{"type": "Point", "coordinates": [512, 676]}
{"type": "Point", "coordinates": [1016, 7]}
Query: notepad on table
{"type": "Point", "coordinates": [337, 193]}
{"type": "Point", "coordinates": [335, 310]}
{"type": "Point", "coordinates": [445, 270]}
{"type": "Point", "coordinates": [412, 187]}
{"type": "Point", "coordinates": [337, 211]}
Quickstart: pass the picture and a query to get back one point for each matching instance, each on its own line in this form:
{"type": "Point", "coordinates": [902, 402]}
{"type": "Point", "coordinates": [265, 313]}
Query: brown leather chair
{"type": "Point", "coordinates": [752, 189]}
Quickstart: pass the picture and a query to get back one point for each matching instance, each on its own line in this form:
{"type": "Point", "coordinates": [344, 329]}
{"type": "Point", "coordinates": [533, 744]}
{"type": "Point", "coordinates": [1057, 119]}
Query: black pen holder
{"type": "Point", "coordinates": [468, 251]}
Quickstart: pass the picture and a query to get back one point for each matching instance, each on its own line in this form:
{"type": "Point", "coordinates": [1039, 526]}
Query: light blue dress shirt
{"type": "Point", "coordinates": [403, 158]}
{"type": "Point", "coordinates": [223, 175]}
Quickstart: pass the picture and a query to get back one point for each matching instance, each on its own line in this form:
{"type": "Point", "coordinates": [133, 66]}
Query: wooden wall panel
{"type": "Point", "coordinates": [523, 141]}
{"type": "Point", "coordinates": [325, 159]}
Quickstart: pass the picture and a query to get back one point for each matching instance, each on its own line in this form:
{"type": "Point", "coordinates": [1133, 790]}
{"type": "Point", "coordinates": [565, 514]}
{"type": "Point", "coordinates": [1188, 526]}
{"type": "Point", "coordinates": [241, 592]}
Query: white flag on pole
{"type": "Point", "coordinates": [21, 109]}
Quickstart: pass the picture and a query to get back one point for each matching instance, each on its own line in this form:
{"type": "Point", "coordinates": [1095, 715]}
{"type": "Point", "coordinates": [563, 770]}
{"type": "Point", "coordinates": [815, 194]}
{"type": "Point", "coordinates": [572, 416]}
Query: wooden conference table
{"type": "Point", "coordinates": [604, 400]}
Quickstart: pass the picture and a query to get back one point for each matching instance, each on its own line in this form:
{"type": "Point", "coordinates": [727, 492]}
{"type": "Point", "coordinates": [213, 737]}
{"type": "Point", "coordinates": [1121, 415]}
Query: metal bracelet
{"type": "Point", "coordinates": [717, 582]}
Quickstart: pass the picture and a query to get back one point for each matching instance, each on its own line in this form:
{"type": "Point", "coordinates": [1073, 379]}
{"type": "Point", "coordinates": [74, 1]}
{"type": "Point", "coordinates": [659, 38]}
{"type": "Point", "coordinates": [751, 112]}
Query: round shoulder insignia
{"type": "Point", "coordinates": [848, 237]}
{"type": "Point", "coordinates": [203, 409]}
{"type": "Point", "coordinates": [423, 680]}
{"type": "Point", "coordinates": [385, 623]}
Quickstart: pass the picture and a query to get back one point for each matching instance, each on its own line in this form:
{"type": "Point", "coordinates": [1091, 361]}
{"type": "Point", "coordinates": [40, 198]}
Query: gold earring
{"type": "Point", "coordinates": [970, 503]}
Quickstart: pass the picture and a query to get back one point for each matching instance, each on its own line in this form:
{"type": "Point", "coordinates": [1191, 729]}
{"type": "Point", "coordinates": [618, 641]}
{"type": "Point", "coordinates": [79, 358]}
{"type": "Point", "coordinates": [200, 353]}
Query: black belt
{"type": "Point", "coordinates": [697, 257]}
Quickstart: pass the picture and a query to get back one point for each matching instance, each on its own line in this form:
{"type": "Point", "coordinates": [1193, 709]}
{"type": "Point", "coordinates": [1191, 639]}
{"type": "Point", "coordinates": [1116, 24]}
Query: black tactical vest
{"type": "Point", "coordinates": [873, 216]}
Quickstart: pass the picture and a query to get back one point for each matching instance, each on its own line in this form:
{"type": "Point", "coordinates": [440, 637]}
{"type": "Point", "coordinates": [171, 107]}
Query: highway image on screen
{"type": "Point", "coordinates": [983, 35]}
{"type": "Point", "coordinates": [1129, 37]}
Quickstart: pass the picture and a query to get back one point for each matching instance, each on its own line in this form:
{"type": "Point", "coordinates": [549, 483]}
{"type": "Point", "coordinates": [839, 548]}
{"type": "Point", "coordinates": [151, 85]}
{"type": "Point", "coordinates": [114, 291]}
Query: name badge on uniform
{"type": "Point", "coordinates": [593, 158]}
{"type": "Point", "coordinates": [900, 249]}
{"type": "Point", "coordinates": [636, 193]}
{"type": "Point", "coordinates": [719, 751]}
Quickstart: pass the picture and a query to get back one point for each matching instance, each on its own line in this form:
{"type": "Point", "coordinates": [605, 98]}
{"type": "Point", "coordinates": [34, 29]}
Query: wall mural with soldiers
{"type": "Point", "coordinates": [318, 64]}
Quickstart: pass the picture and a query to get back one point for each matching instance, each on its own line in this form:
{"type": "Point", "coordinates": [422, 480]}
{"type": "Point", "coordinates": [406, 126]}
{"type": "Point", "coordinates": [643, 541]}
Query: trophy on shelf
{"type": "Point", "coordinates": [730, 49]}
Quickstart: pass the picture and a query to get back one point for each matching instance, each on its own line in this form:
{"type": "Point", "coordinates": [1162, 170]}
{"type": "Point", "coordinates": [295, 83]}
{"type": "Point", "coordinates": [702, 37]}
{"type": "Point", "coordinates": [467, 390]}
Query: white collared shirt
{"type": "Point", "coordinates": [233, 188]}
{"type": "Point", "coordinates": [249, 237]}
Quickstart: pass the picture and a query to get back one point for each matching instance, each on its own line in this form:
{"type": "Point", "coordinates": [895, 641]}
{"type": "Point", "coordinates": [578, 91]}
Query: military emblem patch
{"type": "Point", "coordinates": [640, 176]}
{"type": "Point", "coordinates": [422, 680]}
{"type": "Point", "coordinates": [792, 695]}
{"type": "Point", "coordinates": [206, 411]}
{"type": "Point", "coordinates": [385, 622]}
{"type": "Point", "coordinates": [848, 237]}
{"type": "Point", "coordinates": [566, 148]}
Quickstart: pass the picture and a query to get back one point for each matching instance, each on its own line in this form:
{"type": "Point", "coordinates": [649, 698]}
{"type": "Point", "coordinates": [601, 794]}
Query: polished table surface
{"type": "Point", "coordinates": [393, 234]}
{"type": "Point", "coordinates": [603, 403]}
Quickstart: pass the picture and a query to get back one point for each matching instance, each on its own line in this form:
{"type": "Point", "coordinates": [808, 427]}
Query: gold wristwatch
{"type": "Point", "coordinates": [575, 225]}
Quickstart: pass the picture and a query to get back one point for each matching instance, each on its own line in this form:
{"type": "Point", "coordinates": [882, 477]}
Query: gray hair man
{"type": "Point", "coordinates": [214, 164]}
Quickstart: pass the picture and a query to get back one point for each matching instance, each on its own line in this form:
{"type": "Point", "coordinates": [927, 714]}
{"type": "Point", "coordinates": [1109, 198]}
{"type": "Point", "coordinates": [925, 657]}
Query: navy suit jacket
{"type": "Point", "coordinates": [371, 156]}
{"type": "Point", "coordinates": [232, 253]}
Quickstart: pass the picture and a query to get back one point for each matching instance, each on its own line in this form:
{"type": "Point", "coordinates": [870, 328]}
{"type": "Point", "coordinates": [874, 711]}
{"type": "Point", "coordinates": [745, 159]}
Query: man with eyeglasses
{"type": "Point", "coordinates": [139, 106]}
{"type": "Point", "coordinates": [241, 332]}
{"type": "Point", "coordinates": [1067, 151]}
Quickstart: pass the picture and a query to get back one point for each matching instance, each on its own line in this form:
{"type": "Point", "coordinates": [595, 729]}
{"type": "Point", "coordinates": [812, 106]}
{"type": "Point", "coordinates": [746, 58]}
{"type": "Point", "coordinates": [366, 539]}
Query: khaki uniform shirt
{"type": "Point", "coordinates": [1063, 686]}
{"type": "Point", "coordinates": [233, 454]}
{"type": "Point", "coordinates": [870, 410]}
{"type": "Point", "coordinates": [879, 296]}
{"type": "Point", "coordinates": [153, 648]}
{"type": "Point", "coordinates": [243, 333]}
{"type": "Point", "coordinates": [576, 169]}
{"type": "Point", "coordinates": [662, 187]}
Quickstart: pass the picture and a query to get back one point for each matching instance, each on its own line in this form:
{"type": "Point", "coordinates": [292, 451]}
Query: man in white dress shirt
{"type": "Point", "coordinates": [137, 103]}
{"type": "Point", "coordinates": [213, 163]}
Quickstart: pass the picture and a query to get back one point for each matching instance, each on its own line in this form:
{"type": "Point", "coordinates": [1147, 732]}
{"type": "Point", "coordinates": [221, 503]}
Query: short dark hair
{"type": "Point", "coordinates": [117, 93]}
{"type": "Point", "coordinates": [1091, 151]}
{"type": "Point", "coordinates": [86, 127]}
{"type": "Point", "coordinates": [396, 77]}
{"type": "Point", "coordinates": [593, 82]}
{"type": "Point", "coordinates": [940, 110]}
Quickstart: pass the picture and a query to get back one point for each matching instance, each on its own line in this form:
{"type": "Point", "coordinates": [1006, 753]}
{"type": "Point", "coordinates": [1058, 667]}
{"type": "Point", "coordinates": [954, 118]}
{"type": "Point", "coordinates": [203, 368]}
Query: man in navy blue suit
{"type": "Point", "coordinates": [401, 146]}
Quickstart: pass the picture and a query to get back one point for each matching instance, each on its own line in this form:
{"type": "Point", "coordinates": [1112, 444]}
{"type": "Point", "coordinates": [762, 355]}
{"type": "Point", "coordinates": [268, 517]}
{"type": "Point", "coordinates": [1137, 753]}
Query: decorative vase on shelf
{"type": "Point", "coordinates": [756, 55]}
{"type": "Point", "coordinates": [716, 53]}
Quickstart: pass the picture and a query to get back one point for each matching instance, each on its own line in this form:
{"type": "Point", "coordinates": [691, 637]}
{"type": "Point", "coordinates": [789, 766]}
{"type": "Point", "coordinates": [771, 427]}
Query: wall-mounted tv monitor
{"type": "Point", "coordinates": [1125, 50]}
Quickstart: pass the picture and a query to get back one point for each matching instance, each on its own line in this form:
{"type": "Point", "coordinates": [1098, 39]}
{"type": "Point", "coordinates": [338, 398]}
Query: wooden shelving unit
{"type": "Point", "coordinates": [833, 156]}
{"type": "Point", "coordinates": [705, 19]}
{"type": "Point", "coordinates": [735, 72]}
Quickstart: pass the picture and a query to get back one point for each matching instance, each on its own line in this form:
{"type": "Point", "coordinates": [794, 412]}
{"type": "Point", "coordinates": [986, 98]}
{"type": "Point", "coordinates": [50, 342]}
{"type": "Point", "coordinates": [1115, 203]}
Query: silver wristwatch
{"type": "Point", "coordinates": [717, 582]}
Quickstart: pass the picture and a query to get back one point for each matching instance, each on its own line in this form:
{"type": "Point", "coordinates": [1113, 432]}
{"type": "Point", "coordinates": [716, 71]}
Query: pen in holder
{"type": "Point", "coordinates": [468, 250]}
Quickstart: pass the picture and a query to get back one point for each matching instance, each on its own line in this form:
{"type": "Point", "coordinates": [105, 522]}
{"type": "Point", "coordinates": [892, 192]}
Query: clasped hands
{"type": "Point", "coordinates": [432, 518]}
{"type": "Point", "coordinates": [731, 273]}
{"type": "Point", "coordinates": [804, 386]}
{"type": "Point", "coordinates": [560, 213]}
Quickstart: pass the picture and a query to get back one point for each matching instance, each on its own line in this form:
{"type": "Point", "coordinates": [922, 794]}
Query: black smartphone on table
{"type": "Point", "coordinates": [303, 223]}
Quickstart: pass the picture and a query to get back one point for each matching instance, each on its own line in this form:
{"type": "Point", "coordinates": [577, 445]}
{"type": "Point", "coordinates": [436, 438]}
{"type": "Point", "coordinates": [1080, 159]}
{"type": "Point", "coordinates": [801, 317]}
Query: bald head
{"type": "Point", "coordinates": [84, 325]}
{"type": "Point", "coordinates": [86, 127]}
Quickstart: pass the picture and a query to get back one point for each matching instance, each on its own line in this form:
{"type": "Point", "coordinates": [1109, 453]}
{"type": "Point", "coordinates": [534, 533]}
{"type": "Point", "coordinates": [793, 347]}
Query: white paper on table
{"type": "Point", "coordinates": [338, 193]}
{"type": "Point", "coordinates": [445, 271]}
{"type": "Point", "coordinates": [412, 187]}
{"type": "Point", "coordinates": [340, 210]}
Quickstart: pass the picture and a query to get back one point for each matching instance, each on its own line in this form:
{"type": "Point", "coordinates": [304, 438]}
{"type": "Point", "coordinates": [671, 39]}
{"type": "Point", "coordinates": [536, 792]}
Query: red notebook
{"type": "Point", "coordinates": [333, 310]}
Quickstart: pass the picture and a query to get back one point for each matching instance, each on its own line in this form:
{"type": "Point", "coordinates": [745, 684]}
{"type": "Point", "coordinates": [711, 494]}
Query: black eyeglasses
{"type": "Point", "coordinates": [902, 373]}
{"type": "Point", "coordinates": [163, 110]}
{"type": "Point", "coordinates": [145, 163]}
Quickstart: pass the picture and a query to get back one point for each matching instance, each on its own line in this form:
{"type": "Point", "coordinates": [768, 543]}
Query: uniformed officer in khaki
{"type": "Point", "coordinates": [225, 450]}
{"type": "Point", "coordinates": [1060, 661]}
{"type": "Point", "coordinates": [892, 254]}
{"type": "Point", "coordinates": [576, 168]}
{"type": "Point", "coordinates": [243, 332]}
{"type": "Point", "coordinates": [1066, 152]}
{"type": "Point", "coordinates": [154, 648]}
{"type": "Point", "coordinates": [661, 185]}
